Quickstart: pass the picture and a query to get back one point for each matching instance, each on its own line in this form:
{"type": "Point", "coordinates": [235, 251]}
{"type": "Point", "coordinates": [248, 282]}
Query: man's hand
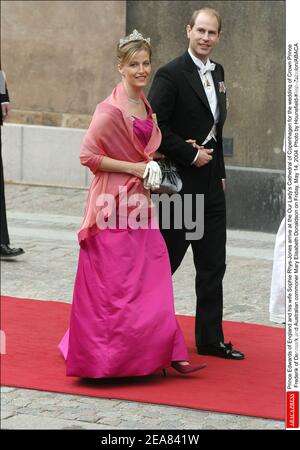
{"type": "Point", "coordinates": [5, 110]}
{"type": "Point", "coordinates": [224, 184]}
{"type": "Point", "coordinates": [204, 153]}
{"type": "Point", "coordinates": [204, 156]}
{"type": "Point", "coordinates": [158, 155]}
{"type": "Point", "coordinates": [193, 142]}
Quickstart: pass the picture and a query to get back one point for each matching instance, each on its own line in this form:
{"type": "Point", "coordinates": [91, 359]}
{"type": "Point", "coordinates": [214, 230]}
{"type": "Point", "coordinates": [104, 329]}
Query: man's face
{"type": "Point", "coordinates": [204, 35]}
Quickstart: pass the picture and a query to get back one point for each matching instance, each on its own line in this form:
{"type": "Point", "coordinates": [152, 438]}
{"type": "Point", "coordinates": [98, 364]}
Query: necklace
{"type": "Point", "coordinates": [133, 100]}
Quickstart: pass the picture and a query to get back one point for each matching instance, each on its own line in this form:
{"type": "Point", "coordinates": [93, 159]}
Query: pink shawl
{"type": "Point", "coordinates": [111, 134]}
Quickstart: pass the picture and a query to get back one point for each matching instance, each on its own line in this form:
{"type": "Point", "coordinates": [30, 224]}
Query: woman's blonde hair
{"type": "Point", "coordinates": [126, 51]}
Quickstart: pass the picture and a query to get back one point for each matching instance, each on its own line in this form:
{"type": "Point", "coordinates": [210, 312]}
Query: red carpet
{"type": "Point", "coordinates": [252, 387]}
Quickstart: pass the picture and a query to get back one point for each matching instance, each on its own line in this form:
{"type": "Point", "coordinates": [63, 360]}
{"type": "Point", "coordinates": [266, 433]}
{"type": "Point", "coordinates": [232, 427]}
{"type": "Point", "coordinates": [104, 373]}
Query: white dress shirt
{"type": "Point", "coordinates": [209, 88]}
{"type": "Point", "coordinates": [208, 84]}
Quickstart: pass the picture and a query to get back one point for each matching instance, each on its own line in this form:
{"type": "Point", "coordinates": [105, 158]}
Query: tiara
{"type": "Point", "coordinates": [134, 36]}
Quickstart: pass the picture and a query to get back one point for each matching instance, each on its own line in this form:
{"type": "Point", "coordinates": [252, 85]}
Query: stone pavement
{"type": "Point", "coordinates": [44, 221]}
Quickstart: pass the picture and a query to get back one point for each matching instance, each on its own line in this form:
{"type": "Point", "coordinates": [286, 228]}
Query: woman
{"type": "Point", "coordinates": [123, 320]}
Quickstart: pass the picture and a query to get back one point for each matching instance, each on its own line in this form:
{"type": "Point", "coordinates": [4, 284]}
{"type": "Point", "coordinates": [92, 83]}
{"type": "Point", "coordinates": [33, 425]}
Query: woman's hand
{"type": "Point", "coordinates": [150, 172]}
{"type": "Point", "coordinates": [138, 169]}
{"type": "Point", "coordinates": [152, 176]}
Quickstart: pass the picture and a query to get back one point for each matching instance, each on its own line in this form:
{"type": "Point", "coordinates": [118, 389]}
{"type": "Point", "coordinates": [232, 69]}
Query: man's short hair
{"type": "Point", "coordinates": [211, 11]}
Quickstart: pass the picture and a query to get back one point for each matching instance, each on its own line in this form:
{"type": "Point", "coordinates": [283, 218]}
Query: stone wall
{"type": "Point", "coordinates": [59, 58]}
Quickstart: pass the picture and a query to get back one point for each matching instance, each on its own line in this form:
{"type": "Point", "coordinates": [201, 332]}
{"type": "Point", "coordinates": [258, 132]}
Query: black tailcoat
{"type": "Point", "coordinates": [178, 98]}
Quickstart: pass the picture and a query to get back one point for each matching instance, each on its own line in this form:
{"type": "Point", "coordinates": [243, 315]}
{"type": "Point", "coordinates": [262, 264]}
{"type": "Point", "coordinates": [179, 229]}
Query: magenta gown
{"type": "Point", "coordinates": [123, 319]}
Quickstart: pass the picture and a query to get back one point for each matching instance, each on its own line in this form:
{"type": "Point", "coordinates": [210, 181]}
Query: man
{"type": "Point", "coordinates": [188, 96]}
{"type": "Point", "coordinates": [5, 250]}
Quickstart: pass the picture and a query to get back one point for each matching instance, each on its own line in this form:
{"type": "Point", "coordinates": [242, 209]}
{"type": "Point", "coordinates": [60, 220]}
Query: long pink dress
{"type": "Point", "coordinates": [123, 319]}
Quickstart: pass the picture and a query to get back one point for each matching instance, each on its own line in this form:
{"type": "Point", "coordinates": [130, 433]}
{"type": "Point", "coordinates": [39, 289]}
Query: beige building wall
{"type": "Point", "coordinates": [59, 58]}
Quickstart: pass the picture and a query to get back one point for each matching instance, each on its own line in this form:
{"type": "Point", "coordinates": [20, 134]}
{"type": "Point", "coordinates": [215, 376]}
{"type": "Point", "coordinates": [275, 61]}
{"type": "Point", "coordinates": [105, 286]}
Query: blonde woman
{"type": "Point", "coordinates": [123, 320]}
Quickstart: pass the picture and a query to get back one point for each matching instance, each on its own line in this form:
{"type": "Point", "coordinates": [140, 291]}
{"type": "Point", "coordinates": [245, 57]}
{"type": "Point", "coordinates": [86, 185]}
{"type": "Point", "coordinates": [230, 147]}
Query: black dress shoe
{"type": "Point", "coordinates": [220, 349]}
{"type": "Point", "coordinates": [7, 252]}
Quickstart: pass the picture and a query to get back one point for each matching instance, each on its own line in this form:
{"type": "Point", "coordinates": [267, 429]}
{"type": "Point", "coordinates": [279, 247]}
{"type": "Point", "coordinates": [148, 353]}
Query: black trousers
{"type": "Point", "coordinates": [4, 237]}
{"type": "Point", "coordinates": [209, 258]}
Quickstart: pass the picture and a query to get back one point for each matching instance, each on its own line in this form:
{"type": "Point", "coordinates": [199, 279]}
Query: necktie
{"type": "Point", "coordinates": [209, 67]}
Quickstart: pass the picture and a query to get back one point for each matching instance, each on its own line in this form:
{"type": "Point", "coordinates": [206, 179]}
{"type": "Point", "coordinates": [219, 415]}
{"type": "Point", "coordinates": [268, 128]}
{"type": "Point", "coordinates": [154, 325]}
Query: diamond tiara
{"type": "Point", "coordinates": [134, 36]}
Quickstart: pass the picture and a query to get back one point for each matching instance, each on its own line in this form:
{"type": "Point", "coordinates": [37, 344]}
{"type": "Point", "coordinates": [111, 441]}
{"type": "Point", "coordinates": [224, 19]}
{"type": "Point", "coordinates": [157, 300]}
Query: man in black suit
{"type": "Point", "coordinates": [188, 96]}
{"type": "Point", "coordinates": [5, 250]}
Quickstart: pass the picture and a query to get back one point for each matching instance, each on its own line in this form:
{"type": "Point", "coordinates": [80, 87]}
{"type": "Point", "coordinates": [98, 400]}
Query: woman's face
{"type": "Point", "coordinates": [136, 71]}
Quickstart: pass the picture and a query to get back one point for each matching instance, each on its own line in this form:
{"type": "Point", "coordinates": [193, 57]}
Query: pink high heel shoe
{"type": "Point", "coordinates": [185, 368]}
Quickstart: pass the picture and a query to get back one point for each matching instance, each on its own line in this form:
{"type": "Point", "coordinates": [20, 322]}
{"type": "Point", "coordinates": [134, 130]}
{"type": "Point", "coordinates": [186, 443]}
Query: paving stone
{"type": "Point", "coordinates": [170, 425]}
{"type": "Point", "coordinates": [27, 421]}
{"type": "Point", "coordinates": [132, 425]}
{"type": "Point", "coordinates": [87, 416]}
{"type": "Point", "coordinates": [20, 403]}
{"type": "Point", "coordinates": [6, 390]}
{"type": "Point", "coordinates": [6, 413]}
{"type": "Point", "coordinates": [111, 421]}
